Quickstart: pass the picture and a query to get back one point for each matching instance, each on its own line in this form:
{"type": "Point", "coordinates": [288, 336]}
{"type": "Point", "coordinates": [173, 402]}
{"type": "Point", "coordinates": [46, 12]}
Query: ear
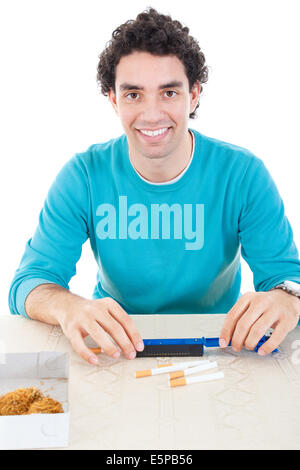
{"type": "Point", "coordinates": [194, 95]}
{"type": "Point", "coordinates": [113, 99]}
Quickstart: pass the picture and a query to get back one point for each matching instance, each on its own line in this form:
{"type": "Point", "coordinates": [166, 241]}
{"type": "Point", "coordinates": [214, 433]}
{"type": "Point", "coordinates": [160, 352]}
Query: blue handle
{"type": "Point", "coordinates": [214, 342]}
{"type": "Point", "coordinates": [173, 341]}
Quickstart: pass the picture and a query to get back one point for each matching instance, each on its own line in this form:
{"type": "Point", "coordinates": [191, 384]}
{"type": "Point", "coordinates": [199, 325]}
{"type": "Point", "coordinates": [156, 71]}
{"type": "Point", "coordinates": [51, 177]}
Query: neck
{"type": "Point", "coordinates": [160, 170]}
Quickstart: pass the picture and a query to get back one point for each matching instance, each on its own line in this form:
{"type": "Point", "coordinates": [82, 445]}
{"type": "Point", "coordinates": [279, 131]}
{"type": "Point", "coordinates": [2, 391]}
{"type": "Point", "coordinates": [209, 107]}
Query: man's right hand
{"type": "Point", "coordinates": [80, 317]}
{"type": "Point", "coordinates": [96, 318]}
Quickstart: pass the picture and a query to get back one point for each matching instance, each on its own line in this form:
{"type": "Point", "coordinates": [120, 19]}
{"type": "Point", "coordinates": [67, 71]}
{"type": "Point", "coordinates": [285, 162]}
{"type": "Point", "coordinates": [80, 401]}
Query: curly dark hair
{"type": "Point", "coordinates": [158, 34]}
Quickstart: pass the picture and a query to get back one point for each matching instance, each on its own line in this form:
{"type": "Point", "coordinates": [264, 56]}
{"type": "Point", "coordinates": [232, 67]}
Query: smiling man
{"type": "Point", "coordinates": [168, 212]}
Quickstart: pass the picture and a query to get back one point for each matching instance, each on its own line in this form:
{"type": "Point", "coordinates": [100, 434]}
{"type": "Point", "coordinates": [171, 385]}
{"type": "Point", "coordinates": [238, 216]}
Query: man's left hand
{"type": "Point", "coordinates": [254, 313]}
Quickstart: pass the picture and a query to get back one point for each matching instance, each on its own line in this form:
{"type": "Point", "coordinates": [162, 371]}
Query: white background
{"type": "Point", "coordinates": [51, 106]}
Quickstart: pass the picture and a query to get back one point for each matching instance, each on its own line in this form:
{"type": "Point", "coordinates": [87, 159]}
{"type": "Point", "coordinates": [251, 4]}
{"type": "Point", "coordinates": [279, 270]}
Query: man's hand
{"type": "Point", "coordinates": [79, 317]}
{"type": "Point", "coordinates": [97, 318]}
{"type": "Point", "coordinates": [251, 316]}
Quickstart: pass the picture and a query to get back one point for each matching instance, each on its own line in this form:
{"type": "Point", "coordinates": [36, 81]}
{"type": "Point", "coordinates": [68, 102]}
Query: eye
{"type": "Point", "coordinates": [171, 91]}
{"type": "Point", "coordinates": [133, 98]}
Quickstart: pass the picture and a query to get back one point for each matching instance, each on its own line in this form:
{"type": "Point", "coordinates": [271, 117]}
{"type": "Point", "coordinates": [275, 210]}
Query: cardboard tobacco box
{"type": "Point", "coordinates": [49, 372]}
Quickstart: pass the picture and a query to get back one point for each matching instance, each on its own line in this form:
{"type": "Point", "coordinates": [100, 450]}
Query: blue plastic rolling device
{"type": "Point", "coordinates": [184, 346]}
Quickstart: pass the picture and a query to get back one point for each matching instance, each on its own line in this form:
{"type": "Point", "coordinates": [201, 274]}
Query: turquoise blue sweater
{"type": "Point", "coordinates": [168, 249]}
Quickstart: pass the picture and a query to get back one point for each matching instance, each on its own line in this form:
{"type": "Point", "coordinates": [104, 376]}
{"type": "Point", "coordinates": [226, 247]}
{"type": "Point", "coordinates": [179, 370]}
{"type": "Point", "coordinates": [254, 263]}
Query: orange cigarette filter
{"type": "Point", "coordinates": [178, 382]}
{"type": "Point", "coordinates": [148, 372]}
{"type": "Point", "coordinates": [96, 350]}
{"type": "Point", "coordinates": [143, 373]}
{"type": "Point", "coordinates": [176, 374]}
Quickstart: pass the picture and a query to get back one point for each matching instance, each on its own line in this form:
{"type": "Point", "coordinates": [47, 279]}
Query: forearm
{"type": "Point", "coordinates": [49, 303]}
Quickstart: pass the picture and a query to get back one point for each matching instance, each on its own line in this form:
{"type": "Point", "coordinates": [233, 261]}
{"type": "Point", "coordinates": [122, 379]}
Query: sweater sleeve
{"type": "Point", "coordinates": [265, 233]}
{"type": "Point", "coordinates": [52, 253]}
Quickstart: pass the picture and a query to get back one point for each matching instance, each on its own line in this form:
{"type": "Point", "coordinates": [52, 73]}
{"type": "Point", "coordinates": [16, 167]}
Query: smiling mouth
{"type": "Point", "coordinates": [155, 135]}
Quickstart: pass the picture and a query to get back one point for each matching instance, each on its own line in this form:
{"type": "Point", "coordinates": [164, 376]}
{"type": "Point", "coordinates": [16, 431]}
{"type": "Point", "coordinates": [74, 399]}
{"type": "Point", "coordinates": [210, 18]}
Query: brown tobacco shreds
{"type": "Point", "coordinates": [18, 402]}
{"type": "Point", "coordinates": [26, 401]}
{"type": "Point", "coordinates": [45, 405]}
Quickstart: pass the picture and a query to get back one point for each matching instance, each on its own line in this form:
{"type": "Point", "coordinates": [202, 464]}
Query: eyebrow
{"type": "Point", "coordinates": [129, 86]}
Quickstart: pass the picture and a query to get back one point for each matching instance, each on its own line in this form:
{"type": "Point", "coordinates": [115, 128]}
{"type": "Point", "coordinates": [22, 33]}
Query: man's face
{"type": "Point", "coordinates": [152, 94]}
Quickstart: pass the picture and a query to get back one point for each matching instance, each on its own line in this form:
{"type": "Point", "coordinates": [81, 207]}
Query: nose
{"type": "Point", "coordinates": [153, 111]}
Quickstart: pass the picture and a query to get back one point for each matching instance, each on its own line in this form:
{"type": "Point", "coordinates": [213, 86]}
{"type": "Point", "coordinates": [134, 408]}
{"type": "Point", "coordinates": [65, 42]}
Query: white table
{"type": "Point", "coordinates": [256, 405]}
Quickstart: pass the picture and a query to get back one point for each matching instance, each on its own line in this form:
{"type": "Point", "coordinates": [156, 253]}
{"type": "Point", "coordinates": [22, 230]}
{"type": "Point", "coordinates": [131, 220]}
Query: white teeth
{"type": "Point", "coordinates": [154, 133]}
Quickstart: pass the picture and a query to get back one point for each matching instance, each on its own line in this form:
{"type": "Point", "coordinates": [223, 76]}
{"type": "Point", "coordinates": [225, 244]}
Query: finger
{"type": "Point", "coordinates": [81, 349]}
{"type": "Point", "coordinates": [244, 325]}
{"type": "Point", "coordinates": [259, 328]}
{"type": "Point", "coordinates": [117, 332]}
{"type": "Point", "coordinates": [232, 317]}
{"type": "Point", "coordinates": [127, 323]}
{"type": "Point", "coordinates": [98, 334]}
{"type": "Point", "coordinates": [274, 341]}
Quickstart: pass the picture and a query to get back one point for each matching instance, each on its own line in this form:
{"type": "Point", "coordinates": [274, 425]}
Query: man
{"type": "Point", "coordinates": [167, 211]}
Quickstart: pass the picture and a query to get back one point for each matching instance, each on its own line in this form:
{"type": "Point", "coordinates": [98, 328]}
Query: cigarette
{"type": "Point", "coordinates": [192, 370]}
{"type": "Point", "coordinates": [164, 370]}
{"type": "Point", "coordinates": [198, 378]}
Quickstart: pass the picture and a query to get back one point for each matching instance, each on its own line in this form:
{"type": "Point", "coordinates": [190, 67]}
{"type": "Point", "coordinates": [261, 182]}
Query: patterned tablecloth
{"type": "Point", "coordinates": [256, 405]}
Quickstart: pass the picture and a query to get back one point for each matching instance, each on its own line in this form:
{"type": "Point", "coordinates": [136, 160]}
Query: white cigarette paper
{"type": "Point", "coordinates": [205, 378]}
{"type": "Point", "coordinates": [179, 366]}
{"type": "Point", "coordinates": [192, 370]}
{"type": "Point", "coordinates": [198, 378]}
{"type": "Point", "coordinates": [165, 370]}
